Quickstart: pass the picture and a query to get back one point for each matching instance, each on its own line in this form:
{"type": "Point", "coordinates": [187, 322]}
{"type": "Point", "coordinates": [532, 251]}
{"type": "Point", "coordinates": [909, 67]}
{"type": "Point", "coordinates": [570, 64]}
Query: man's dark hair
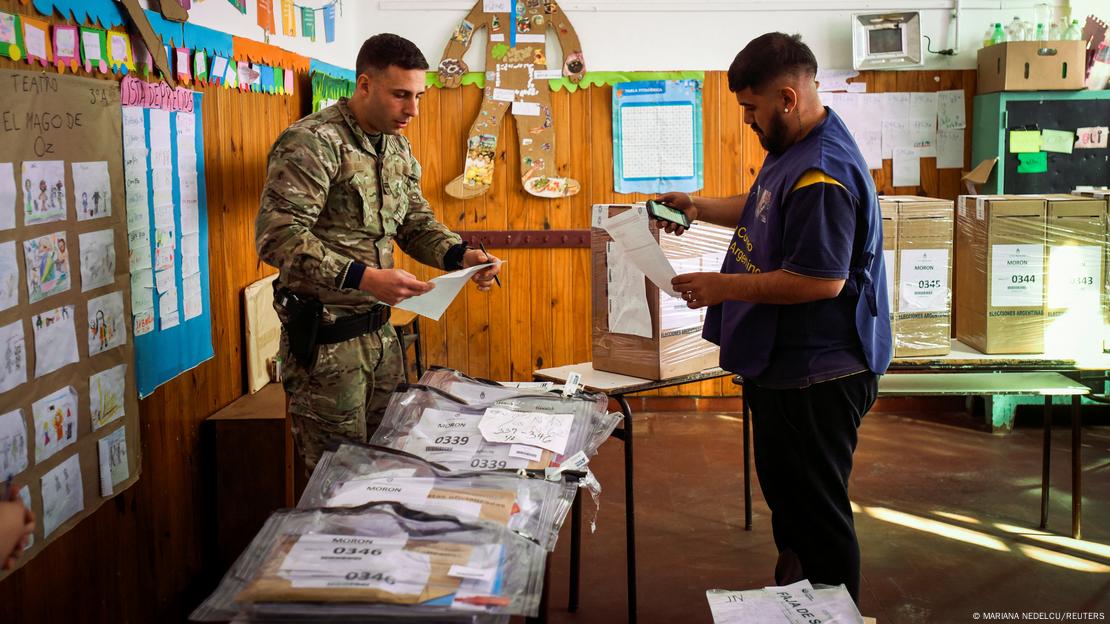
{"type": "Point", "coordinates": [768, 57]}
{"type": "Point", "coordinates": [381, 51]}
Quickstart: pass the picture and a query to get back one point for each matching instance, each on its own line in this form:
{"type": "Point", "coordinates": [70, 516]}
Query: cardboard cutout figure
{"type": "Point", "coordinates": [516, 76]}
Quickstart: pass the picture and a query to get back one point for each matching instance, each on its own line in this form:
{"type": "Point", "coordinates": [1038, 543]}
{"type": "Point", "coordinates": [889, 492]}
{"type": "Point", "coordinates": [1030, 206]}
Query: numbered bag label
{"type": "Point", "coordinates": [923, 280]}
{"type": "Point", "coordinates": [335, 561]}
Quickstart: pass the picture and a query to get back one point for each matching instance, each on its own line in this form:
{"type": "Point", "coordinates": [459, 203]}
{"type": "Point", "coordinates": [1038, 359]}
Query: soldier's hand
{"type": "Point", "coordinates": [483, 278]}
{"type": "Point", "coordinates": [392, 286]}
{"type": "Point", "coordinates": [678, 201]}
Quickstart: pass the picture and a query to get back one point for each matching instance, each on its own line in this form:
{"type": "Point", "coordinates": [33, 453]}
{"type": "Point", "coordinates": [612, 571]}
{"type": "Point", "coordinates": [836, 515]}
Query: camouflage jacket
{"type": "Point", "coordinates": [331, 199]}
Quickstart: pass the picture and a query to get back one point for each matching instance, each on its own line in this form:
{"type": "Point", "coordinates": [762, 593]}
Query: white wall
{"type": "Point", "coordinates": [706, 35]}
{"type": "Point", "coordinates": [220, 15]}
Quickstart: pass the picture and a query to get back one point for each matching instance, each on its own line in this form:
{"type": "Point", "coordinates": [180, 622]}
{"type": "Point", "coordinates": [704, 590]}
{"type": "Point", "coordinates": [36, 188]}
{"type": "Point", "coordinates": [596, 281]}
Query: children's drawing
{"type": "Point", "coordinates": [55, 422]}
{"type": "Point", "coordinates": [92, 188]}
{"type": "Point", "coordinates": [106, 398]}
{"type": "Point", "coordinates": [98, 260]}
{"type": "Point", "coordinates": [13, 356]}
{"type": "Point", "coordinates": [13, 444]}
{"type": "Point", "coordinates": [9, 276]}
{"type": "Point", "coordinates": [44, 191]}
{"type": "Point", "coordinates": [8, 194]}
{"type": "Point", "coordinates": [47, 260]}
{"type": "Point", "coordinates": [63, 495]}
{"type": "Point", "coordinates": [113, 460]}
{"type": "Point", "coordinates": [55, 340]}
{"type": "Point", "coordinates": [107, 328]}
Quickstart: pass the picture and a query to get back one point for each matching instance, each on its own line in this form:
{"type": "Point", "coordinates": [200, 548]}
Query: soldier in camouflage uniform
{"type": "Point", "coordinates": [342, 185]}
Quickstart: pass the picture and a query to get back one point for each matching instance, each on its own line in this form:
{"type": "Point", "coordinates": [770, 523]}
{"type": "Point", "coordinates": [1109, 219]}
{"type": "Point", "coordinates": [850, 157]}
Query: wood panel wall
{"type": "Point", "coordinates": [541, 317]}
{"type": "Point", "coordinates": [146, 556]}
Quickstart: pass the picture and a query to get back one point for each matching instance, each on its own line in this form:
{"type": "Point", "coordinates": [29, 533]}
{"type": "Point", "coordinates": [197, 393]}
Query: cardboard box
{"type": "Point", "coordinates": [1032, 66]}
{"type": "Point", "coordinates": [889, 210]}
{"type": "Point", "coordinates": [1000, 273]}
{"type": "Point", "coordinates": [923, 302]}
{"type": "Point", "coordinates": [1103, 194]}
{"type": "Point", "coordinates": [1075, 239]}
{"type": "Point", "coordinates": [658, 337]}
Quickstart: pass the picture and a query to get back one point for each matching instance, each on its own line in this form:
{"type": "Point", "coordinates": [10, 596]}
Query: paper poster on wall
{"type": "Point", "coordinates": [107, 327]}
{"type": "Point", "coordinates": [106, 395]}
{"type": "Point", "coordinates": [13, 444]}
{"type": "Point", "coordinates": [9, 276]}
{"type": "Point", "coordinates": [44, 191]}
{"type": "Point", "coordinates": [13, 356]}
{"type": "Point", "coordinates": [112, 449]}
{"type": "Point", "coordinates": [55, 422]}
{"type": "Point", "coordinates": [169, 248]}
{"type": "Point", "coordinates": [47, 259]}
{"type": "Point", "coordinates": [55, 340]}
{"type": "Point", "coordinates": [98, 259]}
{"type": "Point", "coordinates": [657, 136]}
{"type": "Point", "coordinates": [63, 495]}
{"type": "Point", "coordinates": [92, 188]}
{"type": "Point", "coordinates": [7, 196]}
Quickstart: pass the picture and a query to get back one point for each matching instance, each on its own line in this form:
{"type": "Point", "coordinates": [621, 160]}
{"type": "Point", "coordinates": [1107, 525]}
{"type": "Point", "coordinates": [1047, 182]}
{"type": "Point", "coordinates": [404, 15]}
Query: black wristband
{"type": "Point", "coordinates": [453, 259]}
{"type": "Point", "coordinates": [353, 276]}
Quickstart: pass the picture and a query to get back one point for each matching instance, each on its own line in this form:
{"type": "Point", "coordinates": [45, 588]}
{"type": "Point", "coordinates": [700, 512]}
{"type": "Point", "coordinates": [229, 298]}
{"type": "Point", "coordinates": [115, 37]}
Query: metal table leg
{"type": "Point", "coordinates": [1076, 468]}
{"type": "Point", "coordinates": [1046, 460]}
{"type": "Point", "coordinates": [747, 467]}
{"type": "Point", "coordinates": [629, 508]}
{"type": "Point", "coordinates": [575, 550]}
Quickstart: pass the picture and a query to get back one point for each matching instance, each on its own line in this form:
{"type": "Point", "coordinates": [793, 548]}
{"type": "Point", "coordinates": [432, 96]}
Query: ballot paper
{"type": "Point", "coordinates": [799, 603]}
{"type": "Point", "coordinates": [433, 303]}
{"type": "Point", "coordinates": [630, 230]}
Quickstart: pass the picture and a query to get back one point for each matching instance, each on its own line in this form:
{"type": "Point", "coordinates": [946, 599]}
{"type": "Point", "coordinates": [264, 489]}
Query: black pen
{"type": "Point", "coordinates": [482, 246]}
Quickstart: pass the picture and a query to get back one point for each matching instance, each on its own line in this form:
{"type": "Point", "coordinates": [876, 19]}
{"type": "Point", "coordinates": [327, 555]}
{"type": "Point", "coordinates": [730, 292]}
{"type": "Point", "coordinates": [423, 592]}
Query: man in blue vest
{"type": "Point", "coordinates": [799, 308]}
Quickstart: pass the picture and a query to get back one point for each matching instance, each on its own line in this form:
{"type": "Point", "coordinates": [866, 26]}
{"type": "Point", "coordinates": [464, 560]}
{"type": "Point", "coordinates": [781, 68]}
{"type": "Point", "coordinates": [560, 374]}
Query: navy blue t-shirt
{"type": "Point", "coordinates": [813, 211]}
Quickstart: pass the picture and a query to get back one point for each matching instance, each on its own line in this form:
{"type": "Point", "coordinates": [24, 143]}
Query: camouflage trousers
{"type": "Point", "coordinates": [346, 392]}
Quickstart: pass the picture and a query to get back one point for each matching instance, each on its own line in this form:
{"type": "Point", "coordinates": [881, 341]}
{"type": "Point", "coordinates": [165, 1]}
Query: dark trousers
{"type": "Point", "coordinates": [804, 440]}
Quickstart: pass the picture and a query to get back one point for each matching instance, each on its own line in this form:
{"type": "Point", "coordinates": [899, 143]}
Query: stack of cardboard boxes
{"type": "Point", "coordinates": [917, 245]}
{"type": "Point", "coordinates": [1029, 272]}
{"type": "Point", "coordinates": [1103, 195]}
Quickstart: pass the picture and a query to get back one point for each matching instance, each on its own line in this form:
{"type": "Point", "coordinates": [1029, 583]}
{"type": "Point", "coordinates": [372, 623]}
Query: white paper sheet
{"type": "Point", "coordinates": [48, 268]}
{"type": "Point", "coordinates": [434, 303]}
{"type": "Point", "coordinates": [1016, 274]}
{"type": "Point", "coordinates": [923, 106]}
{"type": "Point", "coordinates": [412, 491]}
{"type": "Point", "coordinates": [107, 326]}
{"type": "Point", "coordinates": [9, 276]}
{"type": "Point", "coordinates": [923, 280]}
{"type": "Point", "coordinates": [1074, 276]}
{"type": "Point", "coordinates": [142, 291]}
{"type": "Point", "coordinates": [375, 563]}
{"type": "Point", "coordinates": [870, 144]}
{"type": "Point", "coordinates": [106, 395]}
{"type": "Point", "coordinates": [630, 230]}
{"type": "Point", "coordinates": [951, 113]}
{"type": "Point", "coordinates": [545, 430]}
{"type": "Point", "coordinates": [907, 167]}
{"type": "Point", "coordinates": [896, 134]}
{"type": "Point", "coordinates": [444, 436]}
{"type": "Point", "coordinates": [63, 495]}
{"type": "Point", "coordinates": [44, 191]}
{"type": "Point", "coordinates": [25, 497]}
{"type": "Point", "coordinates": [627, 295]}
{"type": "Point", "coordinates": [950, 149]}
{"type": "Point", "coordinates": [834, 79]}
{"type": "Point", "coordinates": [923, 137]}
{"type": "Point", "coordinates": [7, 196]}
{"type": "Point", "coordinates": [112, 451]}
{"type": "Point", "coordinates": [55, 340]}
{"type": "Point", "coordinates": [98, 259]}
{"type": "Point", "coordinates": [190, 291]}
{"type": "Point", "coordinates": [657, 141]}
{"type": "Point", "coordinates": [34, 39]}
{"type": "Point", "coordinates": [13, 444]}
{"type": "Point", "coordinates": [13, 356]}
{"type": "Point", "coordinates": [138, 249]}
{"type": "Point", "coordinates": [144, 322]}
{"type": "Point", "coordinates": [92, 188]}
{"type": "Point", "coordinates": [799, 603]}
{"type": "Point", "coordinates": [55, 418]}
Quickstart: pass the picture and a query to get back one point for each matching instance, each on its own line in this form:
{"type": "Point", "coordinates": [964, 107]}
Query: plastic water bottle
{"type": "Point", "coordinates": [1041, 32]}
{"type": "Point", "coordinates": [999, 35]}
{"type": "Point", "coordinates": [1014, 31]}
{"type": "Point", "coordinates": [1053, 31]}
{"type": "Point", "coordinates": [987, 36]}
{"type": "Point", "coordinates": [1074, 32]}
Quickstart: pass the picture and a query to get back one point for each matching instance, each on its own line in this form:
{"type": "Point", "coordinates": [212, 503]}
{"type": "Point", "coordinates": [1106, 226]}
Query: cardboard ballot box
{"type": "Point", "coordinates": [889, 210]}
{"type": "Point", "coordinates": [638, 329]}
{"type": "Point", "coordinates": [1032, 66]}
{"type": "Point", "coordinates": [1104, 195]}
{"type": "Point", "coordinates": [1000, 273]}
{"type": "Point", "coordinates": [922, 273]}
{"type": "Point", "coordinates": [1075, 236]}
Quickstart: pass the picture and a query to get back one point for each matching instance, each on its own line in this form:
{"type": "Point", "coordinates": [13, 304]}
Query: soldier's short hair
{"type": "Point", "coordinates": [769, 57]}
{"type": "Point", "coordinates": [385, 49]}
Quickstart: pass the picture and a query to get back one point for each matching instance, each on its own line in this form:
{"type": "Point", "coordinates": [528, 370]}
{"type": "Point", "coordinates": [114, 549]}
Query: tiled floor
{"type": "Point", "coordinates": [947, 523]}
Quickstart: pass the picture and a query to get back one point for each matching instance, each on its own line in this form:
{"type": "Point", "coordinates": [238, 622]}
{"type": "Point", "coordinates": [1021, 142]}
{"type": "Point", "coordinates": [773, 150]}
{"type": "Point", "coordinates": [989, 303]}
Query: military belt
{"type": "Point", "coordinates": [353, 326]}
